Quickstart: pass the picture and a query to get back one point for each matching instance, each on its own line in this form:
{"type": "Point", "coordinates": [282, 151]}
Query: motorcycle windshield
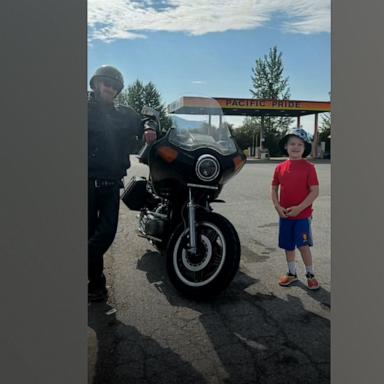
{"type": "Point", "coordinates": [205, 130]}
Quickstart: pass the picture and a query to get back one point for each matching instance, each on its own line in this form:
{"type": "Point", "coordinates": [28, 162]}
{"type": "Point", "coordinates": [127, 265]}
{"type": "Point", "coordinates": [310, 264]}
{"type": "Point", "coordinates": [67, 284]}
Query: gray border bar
{"type": "Point", "coordinates": [43, 337]}
{"type": "Point", "coordinates": [357, 192]}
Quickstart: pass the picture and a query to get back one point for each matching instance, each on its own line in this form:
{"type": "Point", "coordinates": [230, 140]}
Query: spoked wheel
{"type": "Point", "coordinates": [216, 261]}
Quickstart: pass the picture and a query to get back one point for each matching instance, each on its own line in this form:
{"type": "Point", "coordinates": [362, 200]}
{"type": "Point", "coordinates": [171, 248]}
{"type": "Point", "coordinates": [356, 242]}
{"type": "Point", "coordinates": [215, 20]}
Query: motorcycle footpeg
{"type": "Point", "coordinates": [149, 237]}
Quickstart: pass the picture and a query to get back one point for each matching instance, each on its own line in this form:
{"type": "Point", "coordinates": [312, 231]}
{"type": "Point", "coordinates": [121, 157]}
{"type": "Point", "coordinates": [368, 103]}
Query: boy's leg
{"type": "Point", "coordinates": [306, 255]}
{"type": "Point", "coordinates": [286, 241]}
{"type": "Point", "coordinates": [303, 239]}
{"type": "Point", "coordinates": [291, 256]}
{"type": "Point", "coordinates": [291, 275]}
{"type": "Point", "coordinates": [307, 259]}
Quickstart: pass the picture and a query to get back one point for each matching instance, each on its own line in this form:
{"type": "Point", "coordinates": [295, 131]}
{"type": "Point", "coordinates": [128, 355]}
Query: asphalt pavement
{"type": "Point", "coordinates": [254, 332]}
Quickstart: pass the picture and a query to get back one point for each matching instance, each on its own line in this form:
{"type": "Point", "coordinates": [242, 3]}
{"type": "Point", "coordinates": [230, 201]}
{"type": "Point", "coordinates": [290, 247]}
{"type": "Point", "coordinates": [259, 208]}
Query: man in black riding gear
{"type": "Point", "coordinates": [112, 133]}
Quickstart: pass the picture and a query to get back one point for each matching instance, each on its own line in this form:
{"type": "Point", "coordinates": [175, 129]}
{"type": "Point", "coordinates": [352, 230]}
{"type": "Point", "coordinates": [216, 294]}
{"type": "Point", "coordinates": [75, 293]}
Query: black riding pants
{"type": "Point", "coordinates": [103, 213]}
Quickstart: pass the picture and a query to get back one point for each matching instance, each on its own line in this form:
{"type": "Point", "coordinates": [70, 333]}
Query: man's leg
{"type": "Point", "coordinates": [92, 225]}
{"type": "Point", "coordinates": [102, 237]}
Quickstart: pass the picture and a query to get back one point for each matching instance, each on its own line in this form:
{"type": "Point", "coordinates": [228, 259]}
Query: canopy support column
{"type": "Point", "coordinates": [315, 137]}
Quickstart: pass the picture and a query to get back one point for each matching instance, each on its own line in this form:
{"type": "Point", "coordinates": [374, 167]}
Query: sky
{"type": "Point", "coordinates": [208, 48]}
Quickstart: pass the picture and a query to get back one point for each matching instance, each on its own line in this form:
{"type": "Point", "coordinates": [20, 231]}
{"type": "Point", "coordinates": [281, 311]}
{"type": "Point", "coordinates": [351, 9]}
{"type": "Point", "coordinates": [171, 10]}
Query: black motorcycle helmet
{"type": "Point", "coordinates": [109, 72]}
{"type": "Point", "coordinates": [301, 134]}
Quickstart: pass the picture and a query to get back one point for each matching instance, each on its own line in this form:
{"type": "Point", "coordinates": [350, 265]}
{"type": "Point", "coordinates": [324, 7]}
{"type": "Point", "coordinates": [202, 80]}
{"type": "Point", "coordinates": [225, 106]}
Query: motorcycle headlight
{"type": "Point", "coordinates": [207, 167]}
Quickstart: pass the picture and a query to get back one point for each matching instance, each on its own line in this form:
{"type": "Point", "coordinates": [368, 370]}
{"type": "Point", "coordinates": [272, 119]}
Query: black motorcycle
{"type": "Point", "coordinates": [188, 167]}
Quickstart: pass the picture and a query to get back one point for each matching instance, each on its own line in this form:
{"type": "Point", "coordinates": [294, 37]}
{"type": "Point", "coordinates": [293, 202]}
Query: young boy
{"type": "Point", "coordinates": [299, 187]}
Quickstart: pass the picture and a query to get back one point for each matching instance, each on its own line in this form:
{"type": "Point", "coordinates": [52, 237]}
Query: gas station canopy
{"type": "Point", "coordinates": [248, 107]}
{"type": "Point", "coordinates": [252, 107]}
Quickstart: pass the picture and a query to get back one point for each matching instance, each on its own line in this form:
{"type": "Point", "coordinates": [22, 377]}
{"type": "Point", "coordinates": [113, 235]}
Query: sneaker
{"type": "Point", "coordinates": [312, 282]}
{"type": "Point", "coordinates": [287, 279]}
{"type": "Point", "coordinates": [98, 294]}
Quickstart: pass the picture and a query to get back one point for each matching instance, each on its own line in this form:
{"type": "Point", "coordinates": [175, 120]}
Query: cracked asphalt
{"type": "Point", "coordinates": [254, 332]}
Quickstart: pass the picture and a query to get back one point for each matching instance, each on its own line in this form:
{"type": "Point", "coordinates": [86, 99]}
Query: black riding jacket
{"type": "Point", "coordinates": [112, 134]}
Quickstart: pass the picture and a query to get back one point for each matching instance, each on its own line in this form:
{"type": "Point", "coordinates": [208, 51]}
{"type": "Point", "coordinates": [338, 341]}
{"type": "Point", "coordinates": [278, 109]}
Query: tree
{"type": "Point", "coordinates": [137, 95]}
{"type": "Point", "coordinates": [248, 134]}
{"type": "Point", "coordinates": [325, 127]}
{"type": "Point", "coordinates": [325, 131]}
{"type": "Point", "coordinates": [133, 96]}
{"type": "Point", "coordinates": [152, 99]}
{"type": "Point", "coordinates": [269, 83]}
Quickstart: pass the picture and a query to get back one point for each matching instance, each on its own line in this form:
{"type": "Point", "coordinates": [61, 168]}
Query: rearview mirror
{"type": "Point", "coordinates": [150, 112]}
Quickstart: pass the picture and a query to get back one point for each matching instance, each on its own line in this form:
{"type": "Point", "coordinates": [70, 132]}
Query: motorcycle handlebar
{"type": "Point", "coordinates": [149, 124]}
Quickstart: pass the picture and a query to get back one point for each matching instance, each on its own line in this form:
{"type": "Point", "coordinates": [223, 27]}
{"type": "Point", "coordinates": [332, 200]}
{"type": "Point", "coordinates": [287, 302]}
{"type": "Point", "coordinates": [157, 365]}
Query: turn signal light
{"type": "Point", "coordinates": [239, 162]}
{"type": "Point", "coordinates": [168, 154]}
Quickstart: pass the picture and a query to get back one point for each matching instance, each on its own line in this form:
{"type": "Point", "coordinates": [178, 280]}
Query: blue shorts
{"type": "Point", "coordinates": [295, 233]}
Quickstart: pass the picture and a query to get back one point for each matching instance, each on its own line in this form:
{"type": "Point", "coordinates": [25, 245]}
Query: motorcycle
{"type": "Point", "coordinates": [188, 167]}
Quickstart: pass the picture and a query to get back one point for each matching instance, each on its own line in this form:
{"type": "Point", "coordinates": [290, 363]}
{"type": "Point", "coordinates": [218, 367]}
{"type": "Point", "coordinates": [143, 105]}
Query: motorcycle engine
{"type": "Point", "coordinates": [152, 224]}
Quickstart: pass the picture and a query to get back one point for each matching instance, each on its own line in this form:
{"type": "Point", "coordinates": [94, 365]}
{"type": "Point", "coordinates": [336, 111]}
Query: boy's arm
{"type": "Point", "coordinates": [275, 199]}
{"type": "Point", "coordinates": [312, 195]}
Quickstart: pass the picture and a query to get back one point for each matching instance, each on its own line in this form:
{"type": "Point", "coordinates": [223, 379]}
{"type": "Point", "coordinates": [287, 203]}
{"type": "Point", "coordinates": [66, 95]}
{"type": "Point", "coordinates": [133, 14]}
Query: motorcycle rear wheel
{"type": "Point", "coordinates": [217, 259]}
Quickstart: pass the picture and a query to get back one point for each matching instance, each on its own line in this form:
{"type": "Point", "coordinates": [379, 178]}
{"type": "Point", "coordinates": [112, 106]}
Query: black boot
{"type": "Point", "coordinates": [97, 290]}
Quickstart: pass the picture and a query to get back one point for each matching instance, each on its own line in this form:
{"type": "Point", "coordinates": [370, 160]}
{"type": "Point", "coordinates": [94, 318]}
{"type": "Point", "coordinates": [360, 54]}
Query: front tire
{"type": "Point", "coordinates": [215, 263]}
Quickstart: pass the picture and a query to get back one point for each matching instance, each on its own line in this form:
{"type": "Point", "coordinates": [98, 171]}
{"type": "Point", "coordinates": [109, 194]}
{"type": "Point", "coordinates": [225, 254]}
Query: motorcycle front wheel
{"type": "Point", "coordinates": [215, 263]}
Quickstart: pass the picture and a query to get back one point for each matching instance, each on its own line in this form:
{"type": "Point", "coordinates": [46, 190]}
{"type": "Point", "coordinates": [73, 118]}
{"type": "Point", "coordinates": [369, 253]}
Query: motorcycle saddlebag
{"type": "Point", "coordinates": [135, 193]}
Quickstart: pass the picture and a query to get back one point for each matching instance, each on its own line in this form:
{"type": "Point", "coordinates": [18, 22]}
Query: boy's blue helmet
{"type": "Point", "coordinates": [301, 134]}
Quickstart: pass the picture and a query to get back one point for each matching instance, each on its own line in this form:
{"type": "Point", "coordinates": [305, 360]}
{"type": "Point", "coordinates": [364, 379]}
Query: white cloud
{"type": "Point", "coordinates": [305, 20]}
{"type": "Point", "coordinates": [109, 20]}
{"type": "Point", "coordinates": [199, 82]}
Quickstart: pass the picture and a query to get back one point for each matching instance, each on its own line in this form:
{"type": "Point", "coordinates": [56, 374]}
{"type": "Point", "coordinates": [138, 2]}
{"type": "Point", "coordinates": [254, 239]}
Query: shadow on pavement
{"type": "Point", "coordinates": [124, 356]}
{"type": "Point", "coordinates": [259, 338]}
{"type": "Point", "coordinates": [321, 295]}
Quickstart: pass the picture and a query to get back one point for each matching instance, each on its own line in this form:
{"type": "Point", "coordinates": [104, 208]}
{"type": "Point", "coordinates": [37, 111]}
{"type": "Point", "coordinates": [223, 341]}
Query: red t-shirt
{"type": "Point", "coordinates": [294, 178]}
